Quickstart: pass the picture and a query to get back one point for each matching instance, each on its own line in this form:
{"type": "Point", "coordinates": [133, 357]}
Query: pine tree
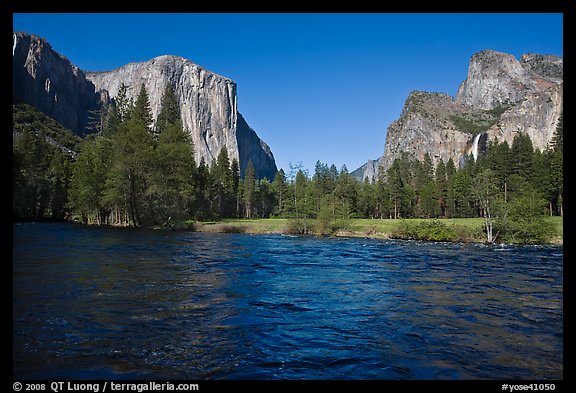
{"type": "Point", "coordinates": [367, 199]}
{"type": "Point", "coordinates": [280, 190]}
{"type": "Point", "coordinates": [442, 187]}
{"type": "Point", "coordinates": [171, 184]}
{"type": "Point", "coordinates": [396, 184]}
{"type": "Point", "coordinates": [130, 168]}
{"type": "Point", "coordinates": [429, 200]}
{"type": "Point", "coordinates": [123, 105]}
{"type": "Point", "coordinates": [87, 185]}
{"type": "Point", "coordinates": [499, 159]}
{"type": "Point", "coordinates": [557, 142]}
{"type": "Point", "coordinates": [265, 198]}
{"type": "Point", "coordinates": [557, 168]}
{"type": "Point", "coordinates": [223, 185]}
{"type": "Point", "coordinates": [169, 112]}
{"type": "Point", "coordinates": [522, 155]}
{"type": "Point", "coordinates": [201, 201]}
{"type": "Point", "coordinates": [142, 113]}
{"type": "Point", "coordinates": [461, 184]}
{"type": "Point", "coordinates": [249, 190]}
{"type": "Point", "coordinates": [346, 193]}
{"type": "Point", "coordinates": [235, 169]}
{"type": "Point", "coordinates": [302, 208]}
{"type": "Point", "coordinates": [450, 197]}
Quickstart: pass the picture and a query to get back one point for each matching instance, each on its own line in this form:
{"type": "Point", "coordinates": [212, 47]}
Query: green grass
{"type": "Point", "coordinates": [468, 229]}
{"type": "Point", "coordinates": [559, 228]}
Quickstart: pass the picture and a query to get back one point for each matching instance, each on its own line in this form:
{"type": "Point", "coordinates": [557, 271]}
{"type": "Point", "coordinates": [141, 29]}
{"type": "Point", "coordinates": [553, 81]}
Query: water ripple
{"type": "Point", "coordinates": [110, 303]}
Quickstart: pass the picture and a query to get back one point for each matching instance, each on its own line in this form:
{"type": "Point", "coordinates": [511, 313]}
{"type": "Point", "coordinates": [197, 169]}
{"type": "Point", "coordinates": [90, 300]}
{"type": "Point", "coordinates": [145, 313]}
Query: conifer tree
{"type": "Point", "coordinates": [142, 112]}
{"type": "Point", "coordinates": [280, 190]}
{"type": "Point", "coordinates": [249, 190]}
{"type": "Point", "coordinates": [171, 183]}
{"type": "Point", "coordinates": [522, 155]}
{"type": "Point", "coordinates": [169, 112]}
{"type": "Point", "coordinates": [442, 187]}
{"type": "Point", "coordinates": [223, 185]}
{"type": "Point", "coordinates": [123, 105]}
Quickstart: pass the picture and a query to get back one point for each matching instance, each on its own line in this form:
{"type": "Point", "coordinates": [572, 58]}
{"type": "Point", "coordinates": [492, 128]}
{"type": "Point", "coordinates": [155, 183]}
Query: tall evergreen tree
{"type": "Point", "coordinates": [383, 207]}
{"type": "Point", "coordinates": [303, 207]}
{"type": "Point", "coordinates": [557, 142]}
{"type": "Point", "coordinates": [429, 200]}
{"type": "Point", "coordinates": [123, 105]}
{"type": "Point", "coordinates": [522, 155]}
{"type": "Point", "coordinates": [142, 112]}
{"type": "Point", "coordinates": [171, 182]}
{"type": "Point", "coordinates": [450, 197]}
{"type": "Point", "coordinates": [499, 159]}
{"type": "Point", "coordinates": [249, 190]}
{"type": "Point", "coordinates": [367, 199]}
{"type": "Point", "coordinates": [442, 187]}
{"type": "Point", "coordinates": [346, 193]}
{"type": "Point", "coordinates": [89, 173]}
{"type": "Point", "coordinates": [396, 184]}
{"type": "Point", "coordinates": [265, 198]}
{"type": "Point", "coordinates": [280, 190]}
{"type": "Point", "coordinates": [223, 185]}
{"type": "Point", "coordinates": [461, 186]}
{"type": "Point", "coordinates": [235, 170]}
{"type": "Point", "coordinates": [557, 169]}
{"type": "Point", "coordinates": [132, 159]}
{"type": "Point", "coordinates": [202, 189]}
{"type": "Point", "coordinates": [169, 112]}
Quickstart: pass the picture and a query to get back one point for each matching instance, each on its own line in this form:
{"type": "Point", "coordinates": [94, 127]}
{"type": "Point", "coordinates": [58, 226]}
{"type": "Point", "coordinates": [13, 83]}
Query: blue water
{"type": "Point", "coordinates": [127, 304]}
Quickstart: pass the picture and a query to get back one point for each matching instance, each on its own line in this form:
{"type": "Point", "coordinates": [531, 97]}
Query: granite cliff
{"type": "Point", "coordinates": [501, 96]}
{"type": "Point", "coordinates": [48, 81]}
{"type": "Point", "coordinates": [208, 102]}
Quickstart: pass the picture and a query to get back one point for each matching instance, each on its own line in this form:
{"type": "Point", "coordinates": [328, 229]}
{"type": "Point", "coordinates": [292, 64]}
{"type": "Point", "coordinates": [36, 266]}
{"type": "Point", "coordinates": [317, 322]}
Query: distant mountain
{"type": "Point", "coordinates": [500, 97]}
{"type": "Point", "coordinates": [48, 81]}
{"type": "Point", "coordinates": [208, 103]}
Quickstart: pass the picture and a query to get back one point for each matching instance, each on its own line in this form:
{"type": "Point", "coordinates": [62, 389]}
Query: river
{"type": "Point", "coordinates": [111, 303]}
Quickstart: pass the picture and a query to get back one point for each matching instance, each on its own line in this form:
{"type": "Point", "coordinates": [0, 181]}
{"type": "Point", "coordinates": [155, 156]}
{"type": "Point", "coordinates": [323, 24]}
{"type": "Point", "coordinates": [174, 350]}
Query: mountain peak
{"type": "Point", "coordinates": [166, 63]}
{"type": "Point", "coordinates": [500, 97]}
{"type": "Point", "coordinates": [208, 103]}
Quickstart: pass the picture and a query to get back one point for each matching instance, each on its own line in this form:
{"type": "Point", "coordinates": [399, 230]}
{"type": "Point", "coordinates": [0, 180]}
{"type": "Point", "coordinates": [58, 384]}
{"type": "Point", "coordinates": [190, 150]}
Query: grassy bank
{"type": "Point", "coordinates": [451, 229]}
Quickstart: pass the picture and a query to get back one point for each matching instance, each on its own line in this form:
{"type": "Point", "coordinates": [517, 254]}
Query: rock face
{"type": "Point", "coordinates": [208, 102]}
{"type": "Point", "coordinates": [368, 170]}
{"type": "Point", "coordinates": [48, 81]}
{"type": "Point", "coordinates": [500, 97]}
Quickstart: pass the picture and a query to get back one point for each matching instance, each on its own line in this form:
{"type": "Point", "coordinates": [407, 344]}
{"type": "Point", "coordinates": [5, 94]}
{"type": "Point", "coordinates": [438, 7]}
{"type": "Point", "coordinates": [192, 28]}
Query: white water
{"type": "Point", "coordinates": [475, 146]}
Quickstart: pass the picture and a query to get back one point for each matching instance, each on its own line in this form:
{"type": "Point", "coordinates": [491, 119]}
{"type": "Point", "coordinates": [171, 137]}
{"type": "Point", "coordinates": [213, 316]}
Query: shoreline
{"type": "Point", "coordinates": [381, 229]}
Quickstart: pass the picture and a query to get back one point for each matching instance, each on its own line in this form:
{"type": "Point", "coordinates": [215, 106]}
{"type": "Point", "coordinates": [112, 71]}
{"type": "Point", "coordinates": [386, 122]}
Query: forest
{"type": "Point", "coordinates": [135, 172]}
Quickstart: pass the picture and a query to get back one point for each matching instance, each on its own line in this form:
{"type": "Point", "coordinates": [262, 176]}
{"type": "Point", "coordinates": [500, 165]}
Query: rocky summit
{"type": "Point", "coordinates": [500, 97]}
{"type": "Point", "coordinates": [208, 102]}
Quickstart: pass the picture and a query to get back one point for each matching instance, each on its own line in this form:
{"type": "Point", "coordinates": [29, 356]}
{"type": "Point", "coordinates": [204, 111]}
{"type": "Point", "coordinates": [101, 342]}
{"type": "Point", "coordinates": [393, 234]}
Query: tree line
{"type": "Point", "coordinates": [136, 172]}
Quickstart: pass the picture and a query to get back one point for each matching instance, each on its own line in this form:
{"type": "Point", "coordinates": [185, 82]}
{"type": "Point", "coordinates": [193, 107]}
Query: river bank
{"type": "Point", "coordinates": [462, 229]}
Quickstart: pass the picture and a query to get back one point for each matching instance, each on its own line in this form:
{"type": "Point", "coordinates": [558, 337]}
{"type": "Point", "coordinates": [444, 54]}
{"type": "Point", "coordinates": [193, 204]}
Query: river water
{"type": "Point", "coordinates": [111, 303]}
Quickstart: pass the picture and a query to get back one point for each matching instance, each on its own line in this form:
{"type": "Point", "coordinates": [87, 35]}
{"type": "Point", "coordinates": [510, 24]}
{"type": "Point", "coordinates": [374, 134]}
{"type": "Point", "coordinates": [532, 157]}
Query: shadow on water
{"type": "Point", "coordinates": [109, 303]}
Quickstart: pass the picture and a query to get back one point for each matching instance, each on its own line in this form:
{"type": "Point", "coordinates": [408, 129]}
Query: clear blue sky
{"type": "Point", "coordinates": [313, 86]}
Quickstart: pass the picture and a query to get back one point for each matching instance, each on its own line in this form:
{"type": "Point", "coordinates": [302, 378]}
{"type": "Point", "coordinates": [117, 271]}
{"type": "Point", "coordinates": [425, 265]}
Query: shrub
{"type": "Point", "coordinates": [433, 230]}
{"type": "Point", "coordinates": [299, 226]}
{"type": "Point", "coordinates": [525, 223]}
